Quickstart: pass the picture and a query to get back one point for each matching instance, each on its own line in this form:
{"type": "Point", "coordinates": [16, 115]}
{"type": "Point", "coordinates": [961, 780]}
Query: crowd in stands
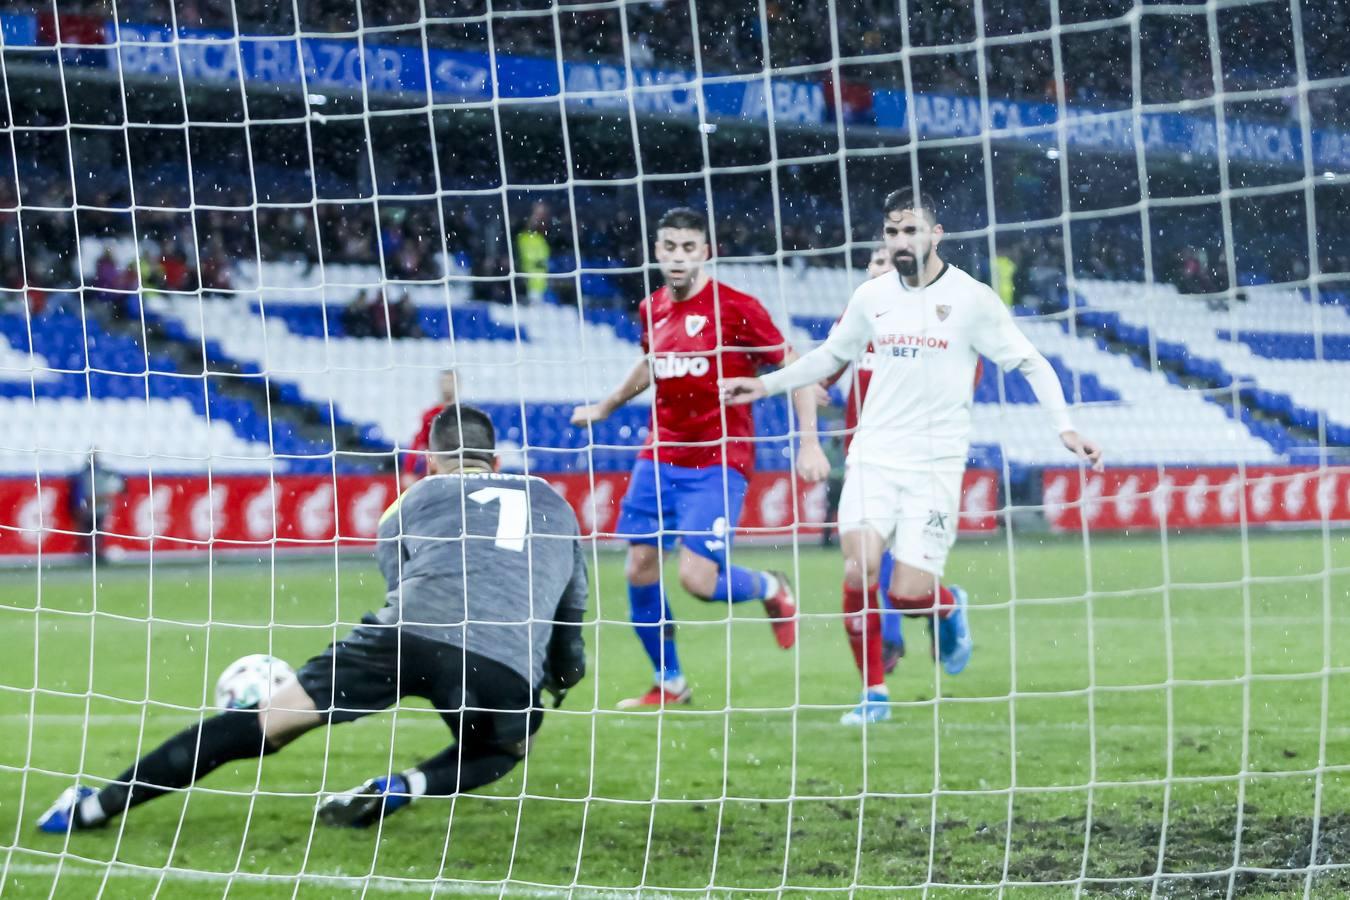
{"type": "Point", "coordinates": [536, 250]}
{"type": "Point", "coordinates": [1255, 41]}
{"type": "Point", "coordinates": [374, 314]}
{"type": "Point", "coordinates": [378, 200]}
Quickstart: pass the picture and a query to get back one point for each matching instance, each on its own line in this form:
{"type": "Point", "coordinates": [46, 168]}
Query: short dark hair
{"type": "Point", "coordinates": [463, 432]}
{"type": "Point", "coordinates": [683, 217]}
{"type": "Point", "coordinates": [908, 198]}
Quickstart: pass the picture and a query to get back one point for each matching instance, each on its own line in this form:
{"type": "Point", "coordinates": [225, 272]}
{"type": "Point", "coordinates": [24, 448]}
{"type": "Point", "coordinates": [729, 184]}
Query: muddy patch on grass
{"type": "Point", "coordinates": [1195, 843]}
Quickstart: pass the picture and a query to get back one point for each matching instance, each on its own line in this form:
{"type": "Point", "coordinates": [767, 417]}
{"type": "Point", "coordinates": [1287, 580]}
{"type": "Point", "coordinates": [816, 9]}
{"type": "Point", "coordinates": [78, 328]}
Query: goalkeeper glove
{"type": "Point", "coordinates": [565, 665]}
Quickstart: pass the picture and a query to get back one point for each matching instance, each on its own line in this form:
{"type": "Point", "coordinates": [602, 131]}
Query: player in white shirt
{"type": "Point", "coordinates": [928, 323]}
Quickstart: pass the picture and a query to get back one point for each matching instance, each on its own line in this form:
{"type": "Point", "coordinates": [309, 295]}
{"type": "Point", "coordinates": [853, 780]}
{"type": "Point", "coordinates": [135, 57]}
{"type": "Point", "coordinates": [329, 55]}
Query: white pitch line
{"type": "Point", "coordinates": [426, 721]}
{"type": "Point", "coordinates": [381, 883]}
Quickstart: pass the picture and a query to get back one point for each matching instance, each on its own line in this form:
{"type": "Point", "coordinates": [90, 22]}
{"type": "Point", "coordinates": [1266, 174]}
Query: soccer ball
{"type": "Point", "coordinates": [248, 682]}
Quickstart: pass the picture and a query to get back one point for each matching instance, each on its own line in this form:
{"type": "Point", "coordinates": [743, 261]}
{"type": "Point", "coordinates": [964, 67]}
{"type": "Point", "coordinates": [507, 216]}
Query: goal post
{"type": "Point", "coordinates": [243, 247]}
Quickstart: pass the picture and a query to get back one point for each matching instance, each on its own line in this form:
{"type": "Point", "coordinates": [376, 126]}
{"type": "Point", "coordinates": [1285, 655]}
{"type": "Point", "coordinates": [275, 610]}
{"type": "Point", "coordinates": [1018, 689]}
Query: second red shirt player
{"type": "Point", "coordinates": [690, 479]}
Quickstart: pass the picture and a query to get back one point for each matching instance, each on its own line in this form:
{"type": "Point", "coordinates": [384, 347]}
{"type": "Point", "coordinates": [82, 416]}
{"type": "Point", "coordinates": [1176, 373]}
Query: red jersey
{"type": "Point", "coordinates": [862, 377]}
{"type": "Point", "coordinates": [717, 333]}
{"type": "Point", "coordinates": [415, 463]}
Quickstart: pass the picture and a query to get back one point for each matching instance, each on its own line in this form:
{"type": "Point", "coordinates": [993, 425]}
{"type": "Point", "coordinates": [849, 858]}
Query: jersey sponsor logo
{"type": "Point", "coordinates": [672, 366]}
{"type": "Point", "coordinates": [694, 324]}
{"type": "Point", "coordinates": [912, 340]}
{"type": "Point", "coordinates": [907, 345]}
{"type": "Point", "coordinates": [943, 311]}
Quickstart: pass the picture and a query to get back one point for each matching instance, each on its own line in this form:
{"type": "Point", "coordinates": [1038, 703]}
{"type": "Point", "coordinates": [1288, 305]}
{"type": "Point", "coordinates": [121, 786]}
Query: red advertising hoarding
{"type": "Point", "coordinates": [1187, 497]}
{"type": "Point", "coordinates": [191, 513]}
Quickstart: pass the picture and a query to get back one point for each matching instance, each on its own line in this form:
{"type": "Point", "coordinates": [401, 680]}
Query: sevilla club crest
{"type": "Point", "coordinates": [943, 311]}
{"type": "Point", "coordinates": [694, 324]}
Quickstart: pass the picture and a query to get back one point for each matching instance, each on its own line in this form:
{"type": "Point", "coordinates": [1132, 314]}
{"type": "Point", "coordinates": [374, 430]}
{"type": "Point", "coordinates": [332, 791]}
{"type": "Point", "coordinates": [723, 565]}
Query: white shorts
{"type": "Point", "coordinates": [914, 512]}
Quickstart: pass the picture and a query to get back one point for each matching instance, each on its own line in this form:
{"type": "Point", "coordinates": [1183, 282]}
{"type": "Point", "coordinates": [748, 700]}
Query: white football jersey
{"type": "Point", "coordinates": [926, 343]}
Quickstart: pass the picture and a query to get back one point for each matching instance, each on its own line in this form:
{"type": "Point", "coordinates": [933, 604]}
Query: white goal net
{"type": "Point", "coordinates": [246, 247]}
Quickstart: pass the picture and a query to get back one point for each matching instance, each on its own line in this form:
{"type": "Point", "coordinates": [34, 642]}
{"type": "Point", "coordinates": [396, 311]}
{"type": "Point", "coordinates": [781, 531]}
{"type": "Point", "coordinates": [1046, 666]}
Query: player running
{"type": "Point", "coordinates": [487, 587]}
{"type": "Point", "coordinates": [690, 479]}
{"type": "Point", "coordinates": [929, 322]}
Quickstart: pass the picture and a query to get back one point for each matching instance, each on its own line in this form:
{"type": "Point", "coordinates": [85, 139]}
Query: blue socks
{"type": "Point", "coordinates": [737, 585]}
{"type": "Point", "coordinates": [647, 603]}
{"type": "Point", "coordinates": [890, 617]}
{"type": "Point", "coordinates": [890, 620]}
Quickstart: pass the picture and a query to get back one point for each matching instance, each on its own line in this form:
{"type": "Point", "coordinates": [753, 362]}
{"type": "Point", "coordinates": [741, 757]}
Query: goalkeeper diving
{"type": "Point", "coordinates": [487, 587]}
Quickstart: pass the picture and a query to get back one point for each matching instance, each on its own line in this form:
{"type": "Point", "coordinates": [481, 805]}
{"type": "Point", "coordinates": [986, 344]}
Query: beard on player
{"type": "Point", "coordinates": [907, 263]}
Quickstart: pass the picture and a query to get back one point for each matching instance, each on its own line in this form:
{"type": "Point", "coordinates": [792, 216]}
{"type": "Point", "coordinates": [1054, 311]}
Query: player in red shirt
{"type": "Point", "coordinates": [415, 459]}
{"type": "Point", "coordinates": [690, 478]}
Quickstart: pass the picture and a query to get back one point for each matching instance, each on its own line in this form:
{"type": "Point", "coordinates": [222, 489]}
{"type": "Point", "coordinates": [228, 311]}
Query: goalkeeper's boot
{"type": "Point", "coordinates": [62, 817]}
{"type": "Point", "coordinates": [953, 636]}
{"type": "Point", "coordinates": [661, 695]}
{"type": "Point", "coordinates": [782, 611]}
{"type": "Point", "coordinates": [875, 707]}
{"type": "Point", "coordinates": [363, 806]}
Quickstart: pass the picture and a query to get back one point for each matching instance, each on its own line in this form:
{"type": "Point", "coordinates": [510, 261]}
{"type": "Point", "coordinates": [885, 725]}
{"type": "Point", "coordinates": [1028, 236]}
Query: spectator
{"type": "Point", "coordinates": [358, 319]}
{"type": "Point", "coordinates": [533, 253]}
{"type": "Point", "coordinates": [404, 319]}
{"type": "Point", "coordinates": [216, 273]}
{"type": "Point", "coordinates": [1195, 276]}
{"type": "Point", "coordinates": [175, 273]}
{"type": "Point", "coordinates": [1005, 275]}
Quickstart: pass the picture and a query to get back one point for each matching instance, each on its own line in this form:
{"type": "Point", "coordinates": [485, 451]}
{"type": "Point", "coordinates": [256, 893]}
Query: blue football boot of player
{"type": "Point", "coordinates": [954, 642]}
{"type": "Point", "coordinates": [875, 707]}
{"type": "Point", "coordinates": [60, 818]}
{"type": "Point", "coordinates": [363, 806]}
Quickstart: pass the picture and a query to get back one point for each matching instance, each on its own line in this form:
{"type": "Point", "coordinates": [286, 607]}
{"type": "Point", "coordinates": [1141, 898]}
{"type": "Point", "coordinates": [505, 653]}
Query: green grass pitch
{"type": "Point", "coordinates": [1141, 707]}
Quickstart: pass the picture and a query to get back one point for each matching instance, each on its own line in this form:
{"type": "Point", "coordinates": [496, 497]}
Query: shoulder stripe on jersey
{"type": "Point", "coordinates": [393, 506]}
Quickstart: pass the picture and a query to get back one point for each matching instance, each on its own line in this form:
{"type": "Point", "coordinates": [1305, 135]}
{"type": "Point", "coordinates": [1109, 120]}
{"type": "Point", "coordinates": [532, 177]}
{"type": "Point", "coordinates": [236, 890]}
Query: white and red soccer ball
{"type": "Point", "coordinates": [249, 681]}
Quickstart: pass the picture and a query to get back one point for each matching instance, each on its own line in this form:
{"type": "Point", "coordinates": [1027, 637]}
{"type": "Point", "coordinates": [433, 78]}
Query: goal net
{"type": "Point", "coordinates": [244, 247]}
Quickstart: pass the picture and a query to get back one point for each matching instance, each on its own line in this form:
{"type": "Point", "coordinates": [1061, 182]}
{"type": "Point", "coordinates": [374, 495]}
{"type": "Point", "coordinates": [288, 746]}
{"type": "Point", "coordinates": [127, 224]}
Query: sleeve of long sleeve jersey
{"type": "Point", "coordinates": [1049, 394]}
{"type": "Point", "coordinates": [566, 657]}
{"type": "Point", "coordinates": [843, 346]}
{"type": "Point", "coordinates": [998, 338]}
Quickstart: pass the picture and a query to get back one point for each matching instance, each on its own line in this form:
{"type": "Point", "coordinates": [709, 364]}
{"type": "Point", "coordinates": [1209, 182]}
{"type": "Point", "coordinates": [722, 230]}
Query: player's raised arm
{"type": "Point", "coordinates": [843, 346]}
{"type": "Point", "coordinates": [638, 379]}
{"type": "Point", "coordinates": [812, 463]}
{"type": "Point", "coordinates": [999, 338]}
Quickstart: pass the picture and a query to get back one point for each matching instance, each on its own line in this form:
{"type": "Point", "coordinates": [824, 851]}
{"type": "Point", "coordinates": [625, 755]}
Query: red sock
{"type": "Point", "coordinates": [923, 606]}
{"type": "Point", "coordinates": [864, 633]}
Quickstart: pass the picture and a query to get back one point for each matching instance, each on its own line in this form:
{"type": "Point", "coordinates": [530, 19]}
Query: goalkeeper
{"type": "Point", "coordinates": [487, 587]}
